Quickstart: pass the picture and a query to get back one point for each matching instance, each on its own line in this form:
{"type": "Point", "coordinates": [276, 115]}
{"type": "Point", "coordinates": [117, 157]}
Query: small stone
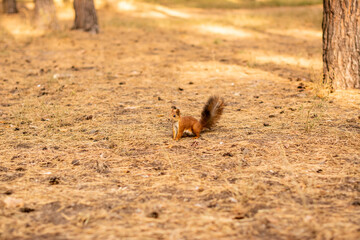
{"type": "Point", "coordinates": [75, 162]}
{"type": "Point", "coordinates": [228, 154]}
{"type": "Point", "coordinates": [26, 209]}
{"type": "Point", "coordinates": [352, 120]}
{"type": "Point", "coordinates": [74, 68]}
{"type": "Point", "coordinates": [54, 180]}
{"type": "Point", "coordinates": [11, 202]}
{"type": "Point", "coordinates": [301, 86]}
{"type": "Point", "coordinates": [200, 189]}
{"type": "Point", "coordinates": [8, 192]}
{"type": "Point", "coordinates": [153, 215]}
{"type": "Point", "coordinates": [94, 131]}
{"type": "Point", "coordinates": [266, 124]}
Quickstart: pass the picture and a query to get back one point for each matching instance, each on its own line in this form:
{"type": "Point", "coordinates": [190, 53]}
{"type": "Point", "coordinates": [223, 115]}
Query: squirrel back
{"type": "Point", "coordinates": [211, 112]}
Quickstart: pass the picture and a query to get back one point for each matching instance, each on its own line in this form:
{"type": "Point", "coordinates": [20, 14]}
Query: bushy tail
{"type": "Point", "coordinates": [211, 112]}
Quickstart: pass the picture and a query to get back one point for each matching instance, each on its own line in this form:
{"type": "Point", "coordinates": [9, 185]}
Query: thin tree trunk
{"type": "Point", "coordinates": [341, 43]}
{"type": "Point", "coordinates": [45, 14]}
{"type": "Point", "coordinates": [85, 16]}
{"type": "Point", "coordinates": [9, 6]}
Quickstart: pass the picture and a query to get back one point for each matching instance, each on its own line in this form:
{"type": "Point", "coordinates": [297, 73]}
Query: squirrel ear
{"type": "Point", "coordinates": [177, 111]}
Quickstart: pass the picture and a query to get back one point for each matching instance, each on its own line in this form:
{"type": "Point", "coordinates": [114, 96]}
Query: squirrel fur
{"type": "Point", "coordinates": [210, 115]}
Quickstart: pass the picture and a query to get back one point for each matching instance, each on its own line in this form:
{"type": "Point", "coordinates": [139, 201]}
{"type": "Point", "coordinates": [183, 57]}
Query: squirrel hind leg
{"type": "Point", "coordinates": [196, 131]}
{"type": "Point", "coordinates": [196, 136]}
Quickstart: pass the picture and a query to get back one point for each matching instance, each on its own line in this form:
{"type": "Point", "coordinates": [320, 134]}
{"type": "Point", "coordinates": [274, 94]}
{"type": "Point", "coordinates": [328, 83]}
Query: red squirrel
{"type": "Point", "coordinates": [210, 115]}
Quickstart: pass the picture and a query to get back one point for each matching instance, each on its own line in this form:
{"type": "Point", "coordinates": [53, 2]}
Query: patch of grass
{"type": "Point", "coordinates": [58, 34]}
{"type": "Point", "coordinates": [319, 88]}
{"type": "Point", "coordinates": [314, 114]}
{"type": "Point", "coordinates": [262, 20]}
{"type": "Point", "coordinates": [217, 41]}
{"type": "Point", "coordinates": [233, 4]}
{"type": "Point", "coordinates": [116, 22]}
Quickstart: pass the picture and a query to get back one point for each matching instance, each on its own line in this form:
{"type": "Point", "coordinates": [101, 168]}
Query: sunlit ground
{"type": "Point", "coordinates": [260, 32]}
{"type": "Point", "coordinates": [19, 25]}
{"type": "Point", "coordinates": [233, 4]}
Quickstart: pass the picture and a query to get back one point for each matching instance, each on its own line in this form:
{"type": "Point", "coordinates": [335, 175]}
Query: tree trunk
{"type": "Point", "coordinates": [45, 14]}
{"type": "Point", "coordinates": [85, 16]}
{"type": "Point", "coordinates": [341, 43]}
{"type": "Point", "coordinates": [9, 6]}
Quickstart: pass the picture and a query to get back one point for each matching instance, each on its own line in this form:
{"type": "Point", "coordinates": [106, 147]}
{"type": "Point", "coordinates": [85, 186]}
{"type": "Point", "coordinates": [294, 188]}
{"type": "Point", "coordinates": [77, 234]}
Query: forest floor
{"type": "Point", "coordinates": [86, 150]}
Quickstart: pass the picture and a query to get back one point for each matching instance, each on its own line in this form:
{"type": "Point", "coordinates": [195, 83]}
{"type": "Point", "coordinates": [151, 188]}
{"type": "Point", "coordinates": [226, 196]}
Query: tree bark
{"type": "Point", "coordinates": [45, 14]}
{"type": "Point", "coordinates": [85, 16]}
{"type": "Point", "coordinates": [341, 43]}
{"type": "Point", "coordinates": [9, 6]}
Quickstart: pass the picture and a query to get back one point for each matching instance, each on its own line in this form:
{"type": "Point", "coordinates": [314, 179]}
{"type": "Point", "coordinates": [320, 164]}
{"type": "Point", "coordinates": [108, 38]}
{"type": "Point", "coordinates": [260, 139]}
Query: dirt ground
{"type": "Point", "coordinates": [85, 139]}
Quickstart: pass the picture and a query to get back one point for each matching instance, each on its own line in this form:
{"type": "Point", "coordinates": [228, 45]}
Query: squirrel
{"type": "Point", "coordinates": [210, 115]}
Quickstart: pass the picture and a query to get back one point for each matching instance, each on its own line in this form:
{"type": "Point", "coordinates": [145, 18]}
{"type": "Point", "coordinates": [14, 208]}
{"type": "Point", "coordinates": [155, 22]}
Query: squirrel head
{"type": "Point", "coordinates": [175, 114]}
